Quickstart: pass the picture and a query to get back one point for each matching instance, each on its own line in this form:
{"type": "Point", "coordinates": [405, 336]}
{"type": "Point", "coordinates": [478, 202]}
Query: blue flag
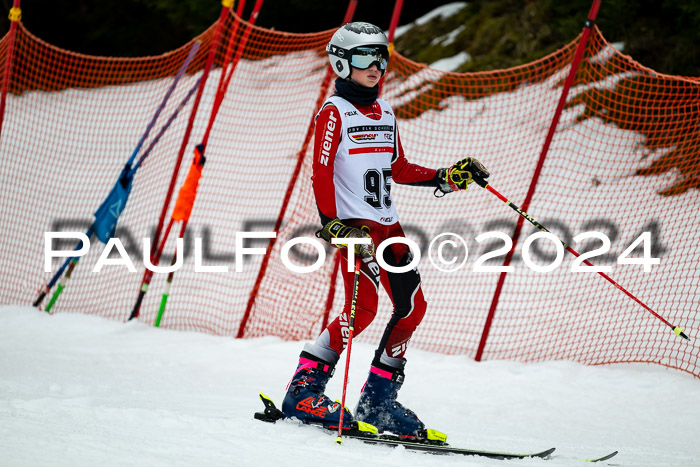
{"type": "Point", "coordinates": [108, 213]}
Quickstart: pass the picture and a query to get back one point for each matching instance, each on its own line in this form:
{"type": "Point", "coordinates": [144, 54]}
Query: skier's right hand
{"type": "Point", "coordinates": [336, 229]}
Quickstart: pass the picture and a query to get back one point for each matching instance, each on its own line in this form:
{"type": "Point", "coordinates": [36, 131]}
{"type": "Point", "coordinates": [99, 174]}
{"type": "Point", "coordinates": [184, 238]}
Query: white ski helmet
{"type": "Point", "coordinates": [359, 45]}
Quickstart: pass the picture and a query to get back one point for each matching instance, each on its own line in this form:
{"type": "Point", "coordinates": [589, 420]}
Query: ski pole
{"type": "Point", "coordinates": [169, 281]}
{"type": "Point", "coordinates": [70, 263]}
{"type": "Point", "coordinates": [166, 125]}
{"type": "Point", "coordinates": [180, 73]}
{"type": "Point", "coordinates": [351, 329]}
{"type": "Point", "coordinates": [62, 284]}
{"type": "Point", "coordinates": [59, 273]}
{"type": "Point", "coordinates": [484, 184]}
{"type": "Point", "coordinates": [181, 212]}
{"type": "Point", "coordinates": [149, 127]}
{"type": "Point", "coordinates": [149, 274]}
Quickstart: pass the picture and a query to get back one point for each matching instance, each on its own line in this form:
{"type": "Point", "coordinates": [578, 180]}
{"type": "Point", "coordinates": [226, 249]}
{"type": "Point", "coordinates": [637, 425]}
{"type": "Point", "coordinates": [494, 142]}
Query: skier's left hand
{"type": "Point", "coordinates": [461, 174]}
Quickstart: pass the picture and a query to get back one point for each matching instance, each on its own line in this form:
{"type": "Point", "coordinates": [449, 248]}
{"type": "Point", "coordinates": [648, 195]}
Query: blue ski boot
{"type": "Point", "coordinates": [378, 406]}
{"type": "Point", "coordinates": [305, 399]}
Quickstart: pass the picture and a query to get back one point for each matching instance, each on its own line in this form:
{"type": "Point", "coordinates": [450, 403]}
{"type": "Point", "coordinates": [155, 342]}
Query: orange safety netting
{"type": "Point", "coordinates": [625, 159]}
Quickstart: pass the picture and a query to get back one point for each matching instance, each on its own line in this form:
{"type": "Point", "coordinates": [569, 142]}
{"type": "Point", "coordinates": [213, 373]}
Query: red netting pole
{"type": "Point", "coordinates": [392, 29]}
{"type": "Point", "coordinates": [394, 20]}
{"type": "Point", "coordinates": [300, 159]}
{"type": "Point", "coordinates": [199, 159]}
{"type": "Point", "coordinates": [588, 26]}
{"type": "Point", "coordinates": [15, 16]}
{"type": "Point", "coordinates": [241, 46]}
{"type": "Point", "coordinates": [229, 47]}
{"type": "Point", "coordinates": [226, 6]}
{"type": "Point", "coordinates": [225, 77]}
{"type": "Point", "coordinates": [350, 12]}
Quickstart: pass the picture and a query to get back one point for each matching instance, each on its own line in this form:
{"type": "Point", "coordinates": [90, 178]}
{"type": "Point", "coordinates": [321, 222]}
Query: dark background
{"type": "Point", "coordinates": [661, 34]}
{"type": "Point", "coordinates": [152, 27]}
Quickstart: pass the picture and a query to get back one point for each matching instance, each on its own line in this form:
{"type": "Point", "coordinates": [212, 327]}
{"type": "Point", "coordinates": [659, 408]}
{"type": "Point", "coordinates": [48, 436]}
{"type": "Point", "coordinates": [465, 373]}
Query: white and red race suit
{"type": "Point", "coordinates": [357, 156]}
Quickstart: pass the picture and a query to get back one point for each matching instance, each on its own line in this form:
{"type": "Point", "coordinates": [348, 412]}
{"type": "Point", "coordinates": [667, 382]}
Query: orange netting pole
{"type": "Point", "coordinates": [226, 7]}
{"type": "Point", "coordinates": [300, 158]}
{"type": "Point", "coordinates": [15, 16]}
{"type": "Point", "coordinates": [588, 26]}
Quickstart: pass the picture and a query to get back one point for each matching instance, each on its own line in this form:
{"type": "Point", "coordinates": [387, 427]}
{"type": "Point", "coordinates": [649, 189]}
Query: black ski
{"type": "Point", "coordinates": [447, 449]}
{"type": "Point", "coordinates": [272, 414]}
{"type": "Point", "coordinates": [602, 458]}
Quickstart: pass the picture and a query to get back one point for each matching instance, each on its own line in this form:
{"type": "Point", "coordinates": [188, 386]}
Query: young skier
{"type": "Point", "coordinates": [357, 156]}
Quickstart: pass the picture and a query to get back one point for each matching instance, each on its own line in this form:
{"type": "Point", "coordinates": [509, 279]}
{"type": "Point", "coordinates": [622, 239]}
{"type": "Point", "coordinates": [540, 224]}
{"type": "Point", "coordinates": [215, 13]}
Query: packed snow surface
{"type": "Point", "coordinates": [80, 390]}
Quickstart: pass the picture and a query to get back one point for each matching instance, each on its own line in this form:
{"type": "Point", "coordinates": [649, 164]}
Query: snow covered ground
{"type": "Point", "coordinates": [79, 390]}
{"type": "Point", "coordinates": [443, 11]}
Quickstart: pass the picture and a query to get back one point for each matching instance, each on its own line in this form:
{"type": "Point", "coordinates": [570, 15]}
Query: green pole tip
{"type": "Point", "coordinates": [339, 440]}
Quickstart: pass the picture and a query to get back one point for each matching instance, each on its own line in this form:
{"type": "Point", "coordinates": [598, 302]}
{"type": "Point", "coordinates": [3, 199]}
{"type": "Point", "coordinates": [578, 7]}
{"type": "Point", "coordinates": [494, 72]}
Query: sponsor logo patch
{"type": "Point", "coordinates": [371, 133]}
{"type": "Point", "coordinates": [328, 139]}
{"type": "Point", "coordinates": [344, 328]}
{"type": "Point", "coordinates": [365, 137]}
{"type": "Point", "coordinates": [308, 405]}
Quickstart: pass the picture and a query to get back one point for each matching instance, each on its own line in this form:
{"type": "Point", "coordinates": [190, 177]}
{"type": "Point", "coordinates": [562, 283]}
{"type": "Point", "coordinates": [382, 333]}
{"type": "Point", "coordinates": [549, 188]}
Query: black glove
{"type": "Point", "coordinates": [336, 229]}
{"type": "Point", "coordinates": [460, 175]}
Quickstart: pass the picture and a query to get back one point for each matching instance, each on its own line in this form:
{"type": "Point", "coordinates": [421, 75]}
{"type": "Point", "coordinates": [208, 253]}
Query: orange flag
{"type": "Point", "coordinates": [188, 191]}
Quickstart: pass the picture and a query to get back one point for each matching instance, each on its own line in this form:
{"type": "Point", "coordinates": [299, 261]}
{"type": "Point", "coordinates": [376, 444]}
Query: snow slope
{"type": "Point", "coordinates": [79, 390]}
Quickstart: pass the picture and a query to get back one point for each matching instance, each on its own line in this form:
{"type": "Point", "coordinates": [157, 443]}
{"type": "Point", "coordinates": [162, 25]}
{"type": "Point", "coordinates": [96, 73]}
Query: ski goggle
{"type": "Point", "coordinates": [363, 57]}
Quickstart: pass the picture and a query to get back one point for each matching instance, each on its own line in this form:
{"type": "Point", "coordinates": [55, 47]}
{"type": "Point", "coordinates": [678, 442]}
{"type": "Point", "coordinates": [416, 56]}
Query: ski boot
{"type": "Point", "coordinates": [378, 406]}
{"type": "Point", "coordinates": [305, 399]}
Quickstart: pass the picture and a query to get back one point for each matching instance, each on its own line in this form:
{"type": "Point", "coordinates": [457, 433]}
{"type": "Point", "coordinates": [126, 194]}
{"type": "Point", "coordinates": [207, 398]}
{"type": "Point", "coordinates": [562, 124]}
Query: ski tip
{"type": "Point", "coordinates": [546, 453]}
{"type": "Point", "coordinates": [602, 458]}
